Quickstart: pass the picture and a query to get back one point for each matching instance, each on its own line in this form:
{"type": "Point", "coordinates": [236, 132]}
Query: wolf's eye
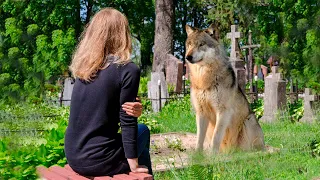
{"type": "Point", "coordinates": [202, 44]}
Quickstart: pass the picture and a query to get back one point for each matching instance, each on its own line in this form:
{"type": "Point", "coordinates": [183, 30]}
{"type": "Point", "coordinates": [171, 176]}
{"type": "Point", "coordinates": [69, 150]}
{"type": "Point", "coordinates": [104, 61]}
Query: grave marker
{"type": "Point", "coordinates": [154, 93]}
{"type": "Point", "coordinates": [174, 72]}
{"type": "Point", "coordinates": [65, 98]}
{"type": "Point", "coordinates": [274, 95]}
{"type": "Point", "coordinates": [309, 115]}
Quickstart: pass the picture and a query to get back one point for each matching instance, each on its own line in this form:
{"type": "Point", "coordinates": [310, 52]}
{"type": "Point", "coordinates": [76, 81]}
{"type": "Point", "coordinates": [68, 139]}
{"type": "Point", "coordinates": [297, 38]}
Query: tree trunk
{"type": "Point", "coordinates": [89, 6]}
{"type": "Point", "coordinates": [146, 50]}
{"type": "Point", "coordinates": [163, 40]}
{"type": "Point", "coordinates": [78, 23]}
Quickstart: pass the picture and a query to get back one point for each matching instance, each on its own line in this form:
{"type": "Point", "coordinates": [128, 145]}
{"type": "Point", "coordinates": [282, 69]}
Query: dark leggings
{"type": "Point", "coordinates": [143, 152]}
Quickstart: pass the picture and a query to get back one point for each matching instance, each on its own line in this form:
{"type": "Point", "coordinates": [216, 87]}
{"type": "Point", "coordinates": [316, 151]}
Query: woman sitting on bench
{"type": "Point", "coordinates": [104, 97]}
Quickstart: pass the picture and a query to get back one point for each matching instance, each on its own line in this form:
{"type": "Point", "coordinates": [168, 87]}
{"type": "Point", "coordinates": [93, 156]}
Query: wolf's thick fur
{"type": "Point", "coordinates": [223, 116]}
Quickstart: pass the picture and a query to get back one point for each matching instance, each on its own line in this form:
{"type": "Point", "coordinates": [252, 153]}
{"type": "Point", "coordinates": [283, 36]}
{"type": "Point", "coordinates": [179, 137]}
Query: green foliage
{"type": "Point", "coordinates": [37, 39]}
{"type": "Point", "coordinates": [177, 116]}
{"type": "Point", "coordinates": [287, 30]}
{"type": "Point", "coordinates": [295, 110]}
{"type": "Point", "coordinates": [20, 163]}
{"type": "Point", "coordinates": [175, 144]}
{"type": "Point", "coordinates": [315, 147]}
{"type": "Point", "coordinates": [257, 108]}
{"type": "Point", "coordinates": [148, 119]}
{"type": "Point", "coordinates": [292, 158]}
{"type": "Point", "coordinates": [170, 88]}
{"type": "Point", "coordinates": [143, 86]}
{"type": "Point", "coordinates": [19, 155]}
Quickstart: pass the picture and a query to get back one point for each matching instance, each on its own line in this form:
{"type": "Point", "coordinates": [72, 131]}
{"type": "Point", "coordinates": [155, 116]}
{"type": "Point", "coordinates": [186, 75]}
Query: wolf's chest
{"type": "Point", "coordinates": [203, 81]}
{"type": "Point", "coordinates": [204, 100]}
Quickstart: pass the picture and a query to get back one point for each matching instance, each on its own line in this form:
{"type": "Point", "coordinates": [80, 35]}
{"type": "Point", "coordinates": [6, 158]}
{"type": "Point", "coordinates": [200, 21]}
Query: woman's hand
{"type": "Point", "coordinates": [135, 167]}
{"type": "Point", "coordinates": [133, 108]}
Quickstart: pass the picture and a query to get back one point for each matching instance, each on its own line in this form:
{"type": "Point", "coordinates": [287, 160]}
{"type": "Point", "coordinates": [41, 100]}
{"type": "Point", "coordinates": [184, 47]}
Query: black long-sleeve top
{"type": "Point", "coordinates": [93, 145]}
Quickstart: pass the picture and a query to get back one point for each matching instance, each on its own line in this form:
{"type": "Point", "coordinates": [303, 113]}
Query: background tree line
{"type": "Point", "coordinates": [37, 37]}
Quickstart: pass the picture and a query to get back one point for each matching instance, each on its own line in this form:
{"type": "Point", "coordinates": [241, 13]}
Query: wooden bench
{"type": "Point", "coordinates": [66, 173]}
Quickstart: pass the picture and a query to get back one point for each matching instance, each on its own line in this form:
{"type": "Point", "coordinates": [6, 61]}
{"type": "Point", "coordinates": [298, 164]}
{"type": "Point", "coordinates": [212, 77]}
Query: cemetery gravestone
{"type": "Point", "coordinates": [236, 62]}
{"type": "Point", "coordinates": [174, 72]}
{"type": "Point", "coordinates": [309, 115]}
{"type": "Point", "coordinates": [154, 93]}
{"type": "Point", "coordinates": [67, 91]}
{"type": "Point", "coordinates": [274, 95]}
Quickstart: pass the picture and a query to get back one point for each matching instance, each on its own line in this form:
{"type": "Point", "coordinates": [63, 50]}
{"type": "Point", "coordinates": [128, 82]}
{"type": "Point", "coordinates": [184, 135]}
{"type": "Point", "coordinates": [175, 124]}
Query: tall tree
{"type": "Point", "coordinates": [37, 39]}
{"type": "Point", "coordinates": [163, 41]}
{"type": "Point", "coordinates": [188, 12]}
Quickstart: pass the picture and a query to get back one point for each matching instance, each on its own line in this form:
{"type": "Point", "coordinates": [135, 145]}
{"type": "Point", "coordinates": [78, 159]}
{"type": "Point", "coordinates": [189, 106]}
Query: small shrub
{"type": "Point", "coordinates": [315, 147]}
{"type": "Point", "coordinates": [295, 110]}
{"type": "Point", "coordinates": [174, 144]}
{"type": "Point", "coordinates": [143, 86]}
{"type": "Point", "coordinates": [148, 120]}
{"type": "Point", "coordinates": [257, 108]}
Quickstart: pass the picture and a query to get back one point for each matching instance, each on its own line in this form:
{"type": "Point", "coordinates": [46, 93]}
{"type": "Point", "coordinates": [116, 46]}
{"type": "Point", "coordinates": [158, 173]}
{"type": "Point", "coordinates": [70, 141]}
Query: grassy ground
{"type": "Point", "coordinates": [294, 160]}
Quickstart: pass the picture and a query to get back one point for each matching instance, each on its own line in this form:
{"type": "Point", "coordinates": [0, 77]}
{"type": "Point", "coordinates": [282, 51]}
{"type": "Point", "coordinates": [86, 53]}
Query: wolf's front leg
{"type": "Point", "coordinates": [223, 121]}
{"type": "Point", "coordinates": [202, 126]}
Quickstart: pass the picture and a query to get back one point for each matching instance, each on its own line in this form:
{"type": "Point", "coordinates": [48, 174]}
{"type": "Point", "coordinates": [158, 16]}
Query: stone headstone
{"type": "Point", "coordinates": [235, 57]}
{"type": "Point", "coordinates": [67, 91]}
{"type": "Point", "coordinates": [274, 95]}
{"type": "Point", "coordinates": [154, 93]}
{"type": "Point", "coordinates": [240, 72]}
{"type": "Point", "coordinates": [174, 72]}
{"type": "Point", "coordinates": [309, 115]}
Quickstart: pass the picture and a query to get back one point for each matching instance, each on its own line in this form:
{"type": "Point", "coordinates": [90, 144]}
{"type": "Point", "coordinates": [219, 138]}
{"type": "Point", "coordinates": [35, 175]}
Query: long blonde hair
{"type": "Point", "coordinates": [107, 34]}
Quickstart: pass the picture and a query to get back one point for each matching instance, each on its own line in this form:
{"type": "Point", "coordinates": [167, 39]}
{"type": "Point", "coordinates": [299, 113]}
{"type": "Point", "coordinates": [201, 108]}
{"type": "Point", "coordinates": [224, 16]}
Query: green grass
{"type": "Point", "coordinates": [293, 160]}
{"type": "Point", "coordinates": [177, 116]}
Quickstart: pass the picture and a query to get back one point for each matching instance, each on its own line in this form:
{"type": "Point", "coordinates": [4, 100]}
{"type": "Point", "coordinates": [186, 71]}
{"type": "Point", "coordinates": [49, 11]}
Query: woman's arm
{"type": "Point", "coordinates": [130, 77]}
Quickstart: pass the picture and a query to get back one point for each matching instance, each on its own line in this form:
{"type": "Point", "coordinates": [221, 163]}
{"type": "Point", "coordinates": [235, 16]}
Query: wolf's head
{"type": "Point", "coordinates": [201, 45]}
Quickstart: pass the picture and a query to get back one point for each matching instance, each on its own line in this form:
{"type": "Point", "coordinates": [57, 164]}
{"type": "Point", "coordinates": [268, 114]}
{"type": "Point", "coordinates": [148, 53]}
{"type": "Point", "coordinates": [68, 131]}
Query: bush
{"type": "Point", "coordinates": [315, 147]}
{"type": "Point", "coordinates": [19, 155]}
{"type": "Point", "coordinates": [21, 162]}
{"type": "Point", "coordinates": [257, 108]}
{"type": "Point", "coordinates": [295, 110]}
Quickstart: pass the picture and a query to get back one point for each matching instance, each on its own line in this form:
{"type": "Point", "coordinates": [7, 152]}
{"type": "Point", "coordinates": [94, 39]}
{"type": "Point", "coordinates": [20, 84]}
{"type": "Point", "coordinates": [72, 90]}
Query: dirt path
{"type": "Point", "coordinates": [172, 150]}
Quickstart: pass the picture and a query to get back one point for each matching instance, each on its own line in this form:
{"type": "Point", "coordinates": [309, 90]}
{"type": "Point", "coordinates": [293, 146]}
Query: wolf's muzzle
{"type": "Point", "coordinates": [189, 58]}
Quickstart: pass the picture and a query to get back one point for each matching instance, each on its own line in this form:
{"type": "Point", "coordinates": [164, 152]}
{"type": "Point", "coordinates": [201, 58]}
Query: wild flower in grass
{"type": "Point", "coordinates": [174, 143]}
{"type": "Point", "coordinates": [154, 147]}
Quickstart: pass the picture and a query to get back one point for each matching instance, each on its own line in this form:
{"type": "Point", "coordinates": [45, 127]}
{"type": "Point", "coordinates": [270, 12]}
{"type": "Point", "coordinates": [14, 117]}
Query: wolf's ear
{"type": "Point", "coordinates": [213, 31]}
{"type": "Point", "coordinates": [189, 29]}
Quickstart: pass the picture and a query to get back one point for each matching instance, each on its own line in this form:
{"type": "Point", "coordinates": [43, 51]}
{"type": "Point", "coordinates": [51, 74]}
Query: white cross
{"type": "Point", "coordinates": [234, 35]}
{"type": "Point", "coordinates": [308, 97]}
{"type": "Point", "coordinates": [308, 103]}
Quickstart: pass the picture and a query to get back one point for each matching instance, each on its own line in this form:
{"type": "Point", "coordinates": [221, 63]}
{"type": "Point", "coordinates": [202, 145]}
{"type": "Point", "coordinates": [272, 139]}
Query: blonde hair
{"type": "Point", "coordinates": [107, 34]}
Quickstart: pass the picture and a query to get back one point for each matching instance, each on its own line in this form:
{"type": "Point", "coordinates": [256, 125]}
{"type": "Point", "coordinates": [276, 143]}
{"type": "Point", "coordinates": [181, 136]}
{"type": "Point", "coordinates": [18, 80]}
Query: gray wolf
{"type": "Point", "coordinates": [223, 116]}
